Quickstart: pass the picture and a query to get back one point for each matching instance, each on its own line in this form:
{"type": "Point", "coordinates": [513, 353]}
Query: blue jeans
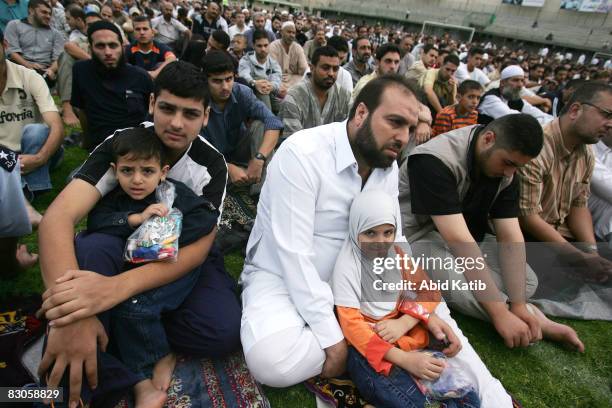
{"type": "Point", "coordinates": [138, 333]}
{"type": "Point", "coordinates": [33, 137]}
{"type": "Point", "coordinates": [398, 389]}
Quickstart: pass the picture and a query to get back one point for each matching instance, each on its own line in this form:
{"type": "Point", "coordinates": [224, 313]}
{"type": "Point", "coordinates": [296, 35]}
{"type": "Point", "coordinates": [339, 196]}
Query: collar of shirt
{"type": "Point", "coordinates": [562, 151]}
{"type": "Point", "coordinates": [471, 155]}
{"type": "Point", "coordinates": [231, 101]}
{"type": "Point", "coordinates": [13, 79]}
{"type": "Point", "coordinates": [344, 152]}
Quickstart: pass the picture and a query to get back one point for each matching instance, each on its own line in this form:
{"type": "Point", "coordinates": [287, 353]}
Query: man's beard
{"type": "Point", "coordinates": [510, 94]}
{"type": "Point", "coordinates": [322, 84]}
{"type": "Point", "coordinates": [369, 151]}
{"type": "Point", "coordinates": [105, 71]}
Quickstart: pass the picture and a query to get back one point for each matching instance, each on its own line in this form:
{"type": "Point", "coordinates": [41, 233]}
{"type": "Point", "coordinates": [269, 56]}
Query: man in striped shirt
{"type": "Point", "coordinates": [461, 114]}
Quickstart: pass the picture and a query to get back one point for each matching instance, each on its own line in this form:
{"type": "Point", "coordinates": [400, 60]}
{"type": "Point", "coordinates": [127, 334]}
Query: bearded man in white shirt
{"type": "Point", "coordinates": [289, 331]}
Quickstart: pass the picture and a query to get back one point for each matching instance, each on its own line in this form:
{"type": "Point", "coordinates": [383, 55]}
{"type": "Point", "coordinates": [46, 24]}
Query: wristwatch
{"type": "Point", "coordinates": [252, 84]}
{"type": "Point", "coordinates": [260, 156]}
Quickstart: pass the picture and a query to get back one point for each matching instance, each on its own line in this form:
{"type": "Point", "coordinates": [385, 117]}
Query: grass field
{"type": "Point", "coordinates": [540, 376]}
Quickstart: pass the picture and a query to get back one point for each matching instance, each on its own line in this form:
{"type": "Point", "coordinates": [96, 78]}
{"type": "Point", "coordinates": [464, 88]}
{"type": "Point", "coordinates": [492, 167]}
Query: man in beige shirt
{"type": "Point", "coordinates": [30, 124]}
{"type": "Point", "coordinates": [555, 186]}
{"type": "Point", "coordinates": [429, 56]}
{"type": "Point", "coordinates": [290, 56]}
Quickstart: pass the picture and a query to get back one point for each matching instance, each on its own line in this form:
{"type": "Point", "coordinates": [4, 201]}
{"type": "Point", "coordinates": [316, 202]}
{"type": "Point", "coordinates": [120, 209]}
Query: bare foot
{"type": "Point", "coordinates": [24, 258]}
{"type": "Point", "coordinates": [162, 373]}
{"type": "Point", "coordinates": [147, 396]}
{"type": "Point", "coordinates": [558, 332]}
{"type": "Point", "coordinates": [34, 215]}
{"type": "Point", "coordinates": [70, 118]}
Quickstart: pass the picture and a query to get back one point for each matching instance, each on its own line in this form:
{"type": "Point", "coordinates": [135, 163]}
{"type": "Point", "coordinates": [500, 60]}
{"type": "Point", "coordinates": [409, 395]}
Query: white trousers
{"type": "Point", "coordinates": [601, 211]}
{"type": "Point", "coordinates": [280, 350]}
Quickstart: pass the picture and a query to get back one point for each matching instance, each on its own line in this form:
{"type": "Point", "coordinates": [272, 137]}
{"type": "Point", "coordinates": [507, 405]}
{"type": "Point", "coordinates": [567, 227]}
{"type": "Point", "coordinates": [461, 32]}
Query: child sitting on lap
{"type": "Point", "coordinates": [386, 327]}
{"type": "Point", "coordinates": [137, 334]}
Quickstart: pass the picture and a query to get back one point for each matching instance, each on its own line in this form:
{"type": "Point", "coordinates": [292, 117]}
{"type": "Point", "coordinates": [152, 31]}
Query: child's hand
{"type": "Point", "coordinates": [391, 330]}
{"type": "Point", "coordinates": [423, 365]}
{"type": "Point", "coordinates": [154, 209]}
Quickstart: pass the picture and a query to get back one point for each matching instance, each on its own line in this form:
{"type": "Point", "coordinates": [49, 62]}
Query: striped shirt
{"type": "Point", "coordinates": [556, 180]}
{"type": "Point", "coordinates": [448, 119]}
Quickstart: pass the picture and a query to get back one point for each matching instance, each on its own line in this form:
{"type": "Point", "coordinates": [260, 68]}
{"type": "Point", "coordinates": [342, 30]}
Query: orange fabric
{"type": "Point", "coordinates": [359, 332]}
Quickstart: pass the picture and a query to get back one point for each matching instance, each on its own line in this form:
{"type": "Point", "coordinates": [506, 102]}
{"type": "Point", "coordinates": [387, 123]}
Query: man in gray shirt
{"type": "Point", "coordinates": [33, 43]}
{"type": "Point", "coordinates": [316, 100]}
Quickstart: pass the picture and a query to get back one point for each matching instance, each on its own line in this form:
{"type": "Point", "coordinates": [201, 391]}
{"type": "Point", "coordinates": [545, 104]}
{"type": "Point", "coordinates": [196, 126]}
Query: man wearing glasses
{"type": "Point", "coordinates": [555, 189]}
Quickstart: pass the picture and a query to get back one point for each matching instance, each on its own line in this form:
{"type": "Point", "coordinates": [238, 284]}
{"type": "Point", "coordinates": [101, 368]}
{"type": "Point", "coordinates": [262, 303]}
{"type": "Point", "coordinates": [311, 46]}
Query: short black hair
{"type": "Point", "coordinates": [575, 83]}
{"type": "Point", "coordinates": [141, 19]}
{"type": "Point", "coordinates": [517, 132]}
{"type": "Point", "coordinates": [258, 34]}
{"type": "Point", "coordinates": [222, 38]}
{"type": "Point", "coordinates": [371, 94]}
{"type": "Point", "coordinates": [356, 41]}
{"type": "Point", "coordinates": [182, 79]}
{"type": "Point", "coordinates": [452, 58]}
{"type": "Point", "coordinates": [35, 3]}
{"type": "Point", "coordinates": [560, 68]}
{"type": "Point", "coordinates": [475, 51]}
{"type": "Point", "coordinates": [138, 143]}
{"type": "Point", "coordinates": [217, 62]}
{"type": "Point", "coordinates": [325, 51]}
{"type": "Point", "coordinates": [589, 92]}
{"type": "Point", "coordinates": [385, 49]}
{"type": "Point", "coordinates": [339, 43]}
{"type": "Point", "coordinates": [468, 85]}
{"type": "Point", "coordinates": [429, 47]}
{"type": "Point", "coordinates": [76, 11]}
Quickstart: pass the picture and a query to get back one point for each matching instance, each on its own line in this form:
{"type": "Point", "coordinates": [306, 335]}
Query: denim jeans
{"type": "Point", "coordinates": [137, 331]}
{"type": "Point", "coordinates": [33, 137]}
{"type": "Point", "coordinates": [397, 390]}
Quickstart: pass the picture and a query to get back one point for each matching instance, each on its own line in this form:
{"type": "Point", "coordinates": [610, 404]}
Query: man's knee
{"type": "Point", "coordinates": [531, 282]}
{"type": "Point", "coordinates": [33, 137]}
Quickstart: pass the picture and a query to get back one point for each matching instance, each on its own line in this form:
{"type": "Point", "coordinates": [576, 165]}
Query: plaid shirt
{"type": "Point", "coordinates": [556, 180]}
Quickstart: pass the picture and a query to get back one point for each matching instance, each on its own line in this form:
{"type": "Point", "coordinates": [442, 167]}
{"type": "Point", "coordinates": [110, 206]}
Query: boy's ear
{"type": "Point", "coordinates": [151, 103]}
{"type": "Point", "coordinates": [164, 172]}
{"type": "Point", "coordinates": [113, 166]}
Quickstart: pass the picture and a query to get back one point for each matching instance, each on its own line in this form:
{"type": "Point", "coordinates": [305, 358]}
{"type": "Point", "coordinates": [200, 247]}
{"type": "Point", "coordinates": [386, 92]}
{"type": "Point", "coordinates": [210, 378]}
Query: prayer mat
{"type": "Point", "coordinates": [208, 383]}
{"type": "Point", "coordinates": [18, 329]}
{"type": "Point", "coordinates": [237, 219]}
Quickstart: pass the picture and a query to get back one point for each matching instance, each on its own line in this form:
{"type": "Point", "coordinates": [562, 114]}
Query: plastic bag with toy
{"type": "Point", "coordinates": [157, 239]}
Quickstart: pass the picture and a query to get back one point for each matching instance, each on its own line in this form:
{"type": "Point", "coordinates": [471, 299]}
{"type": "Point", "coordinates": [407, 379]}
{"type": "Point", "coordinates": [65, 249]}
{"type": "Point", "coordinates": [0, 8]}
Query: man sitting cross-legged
{"type": "Point", "coordinates": [206, 324]}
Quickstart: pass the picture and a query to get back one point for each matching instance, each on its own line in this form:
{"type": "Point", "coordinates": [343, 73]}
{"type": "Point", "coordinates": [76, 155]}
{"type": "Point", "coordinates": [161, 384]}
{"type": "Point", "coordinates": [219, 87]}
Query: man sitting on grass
{"type": "Point", "coordinates": [208, 321]}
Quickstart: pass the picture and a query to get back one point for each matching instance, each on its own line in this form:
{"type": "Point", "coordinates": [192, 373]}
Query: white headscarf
{"type": "Point", "coordinates": [353, 278]}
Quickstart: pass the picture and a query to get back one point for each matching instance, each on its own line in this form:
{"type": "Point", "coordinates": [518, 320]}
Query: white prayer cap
{"type": "Point", "coordinates": [287, 24]}
{"type": "Point", "coordinates": [512, 71]}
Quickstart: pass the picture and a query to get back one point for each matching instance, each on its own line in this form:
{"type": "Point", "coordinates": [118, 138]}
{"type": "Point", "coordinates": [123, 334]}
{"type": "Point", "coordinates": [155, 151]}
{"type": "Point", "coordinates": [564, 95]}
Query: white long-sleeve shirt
{"type": "Point", "coordinates": [496, 107]}
{"type": "Point", "coordinates": [302, 221]}
{"type": "Point", "coordinates": [601, 181]}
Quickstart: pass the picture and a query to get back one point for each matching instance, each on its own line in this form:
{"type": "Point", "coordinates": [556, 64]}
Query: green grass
{"type": "Point", "coordinates": [541, 376]}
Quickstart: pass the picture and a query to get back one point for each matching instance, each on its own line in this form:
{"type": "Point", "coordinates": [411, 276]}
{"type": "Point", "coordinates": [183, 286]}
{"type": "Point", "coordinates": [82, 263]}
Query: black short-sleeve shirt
{"type": "Point", "coordinates": [433, 191]}
{"type": "Point", "coordinates": [111, 101]}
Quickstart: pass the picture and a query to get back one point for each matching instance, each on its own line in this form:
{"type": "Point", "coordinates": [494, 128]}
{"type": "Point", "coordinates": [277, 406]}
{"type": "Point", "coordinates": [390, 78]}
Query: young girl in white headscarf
{"type": "Point", "coordinates": [386, 328]}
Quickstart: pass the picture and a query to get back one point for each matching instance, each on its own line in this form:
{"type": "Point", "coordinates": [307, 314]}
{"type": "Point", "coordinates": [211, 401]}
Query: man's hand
{"type": "Point", "coordinates": [335, 360]}
{"type": "Point", "coordinates": [255, 170]}
{"type": "Point", "coordinates": [282, 91]}
{"type": "Point", "coordinates": [422, 133]}
{"type": "Point", "coordinates": [263, 87]}
{"type": "Point", "coordinates": [73, 347]}
{"type": "Point", "coordinates": [442, 331]}
{"type": "Point", "coordinates": [520, 310]}
{"type": "Point", "coordinates": [36, 67]}
{"type": "Point", "coordinates": [30, 162]}
{"type": "Point", "coordinates": [237, 174]}
{"type": "Point", "coordinates": [50, 73]}
{"type": "Point", "coordinates": [392, 329]}
{"type": "Point", "coordinates": [589, 267]}
{"type": "Point", "coordinates": [514, 331]}
{"type": "Point", "coordinates": [78, 295]}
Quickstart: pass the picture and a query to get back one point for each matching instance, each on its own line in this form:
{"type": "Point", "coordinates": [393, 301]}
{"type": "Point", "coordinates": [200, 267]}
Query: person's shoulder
{"type": "Point", "coordinates": [447, 111]}
{"type": "Point", "coordinates": [313, 140]}
{"type": "Point", "coordinates": [204, 153]}
{"type": "Point", "coordinates": [134, 70]}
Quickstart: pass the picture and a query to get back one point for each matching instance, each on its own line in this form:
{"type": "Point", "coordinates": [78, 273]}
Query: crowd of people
{"type": "Point", "coordinates": [357, 141]}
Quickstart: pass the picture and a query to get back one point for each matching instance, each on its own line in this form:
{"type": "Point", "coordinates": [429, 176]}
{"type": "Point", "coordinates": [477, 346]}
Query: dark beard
{"type": "Point", "coordinates": [365, 143]}
{"type": "Point", "coordinates": [106, 72]}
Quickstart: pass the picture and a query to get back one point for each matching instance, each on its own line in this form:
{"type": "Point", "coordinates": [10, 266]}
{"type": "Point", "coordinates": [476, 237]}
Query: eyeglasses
{"type": "Point", "coordinates": [605, 113]}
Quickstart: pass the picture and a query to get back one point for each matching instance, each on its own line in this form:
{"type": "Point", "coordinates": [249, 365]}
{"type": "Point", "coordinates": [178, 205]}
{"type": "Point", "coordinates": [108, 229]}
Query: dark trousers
{"type": "Point", "coordinates": [206, 324]}
{"type": "Point", "coordinates": [397, 390]}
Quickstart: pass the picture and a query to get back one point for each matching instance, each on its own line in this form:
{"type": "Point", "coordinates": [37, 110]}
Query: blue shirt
{"type": "Point", "coordinates": [9, 12]}
{"type": "Point", "coordinates": [227, 127]}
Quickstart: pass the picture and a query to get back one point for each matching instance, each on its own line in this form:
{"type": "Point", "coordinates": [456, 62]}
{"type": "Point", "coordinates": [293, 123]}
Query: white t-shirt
{"type": "Point", "coordinates": [477, 75]}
